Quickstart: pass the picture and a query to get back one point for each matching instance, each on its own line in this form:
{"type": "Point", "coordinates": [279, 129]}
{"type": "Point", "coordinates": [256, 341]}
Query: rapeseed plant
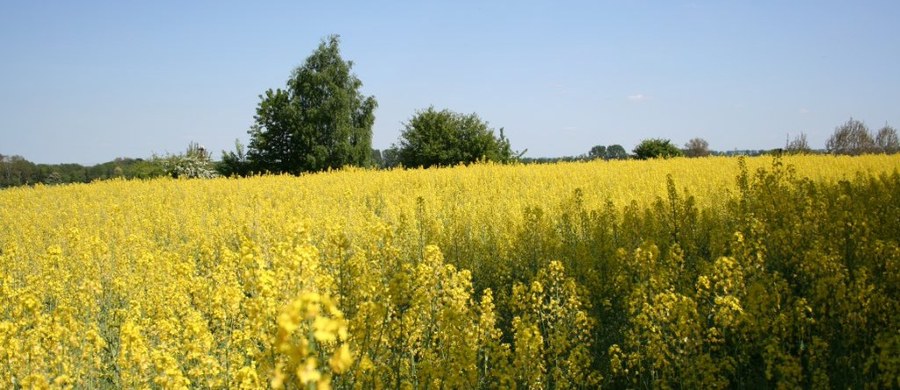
{"type": "Point", "coordinates": [708, 272]}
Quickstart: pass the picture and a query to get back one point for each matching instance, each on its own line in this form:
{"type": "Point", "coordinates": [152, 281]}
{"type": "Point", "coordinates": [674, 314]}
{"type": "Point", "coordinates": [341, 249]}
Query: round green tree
{"type": "Point", "coordinates": [656, 148]}
{"type": "Point", "coordinates": [446, 138]}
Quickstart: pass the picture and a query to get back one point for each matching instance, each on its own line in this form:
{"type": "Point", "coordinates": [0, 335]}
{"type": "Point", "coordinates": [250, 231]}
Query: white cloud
{"type": "Point", "coordinates": [803, 111]}
{"type": "Point", "coordinates": [639, 97]}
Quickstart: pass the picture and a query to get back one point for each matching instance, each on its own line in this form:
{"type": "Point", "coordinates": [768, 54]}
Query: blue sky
{"type": "Point", "coordinates": [90, 81]}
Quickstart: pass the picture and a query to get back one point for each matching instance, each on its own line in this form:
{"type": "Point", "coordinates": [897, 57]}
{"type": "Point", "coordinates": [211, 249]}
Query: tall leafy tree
{"type": "Point", "coordinates": [320, 121]}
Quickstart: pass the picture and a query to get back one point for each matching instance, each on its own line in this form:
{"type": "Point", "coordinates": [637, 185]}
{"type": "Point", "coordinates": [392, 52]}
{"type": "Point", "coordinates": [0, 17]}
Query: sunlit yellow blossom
{"type": "Point", "coordinates": [341, 360]}
{"type": "Point", "coordinates": [307, 372]}
{"type": "Point", "coordinates": [685, 273]}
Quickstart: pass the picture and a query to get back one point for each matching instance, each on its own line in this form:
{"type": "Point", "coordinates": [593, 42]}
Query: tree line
{"type": "Point", "coordinates": [322, 121]}
{"type": "Point", "coordinates": [15, 171]}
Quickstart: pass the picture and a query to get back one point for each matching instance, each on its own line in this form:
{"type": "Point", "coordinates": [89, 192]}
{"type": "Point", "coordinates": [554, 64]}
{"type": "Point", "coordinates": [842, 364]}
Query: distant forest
{"type": "Point", "coordinates": [18, 171]}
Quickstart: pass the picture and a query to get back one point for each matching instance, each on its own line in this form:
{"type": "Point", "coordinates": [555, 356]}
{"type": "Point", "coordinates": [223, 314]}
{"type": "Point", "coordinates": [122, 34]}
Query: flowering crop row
{"type": "Point", "coordinates": [711, 272]}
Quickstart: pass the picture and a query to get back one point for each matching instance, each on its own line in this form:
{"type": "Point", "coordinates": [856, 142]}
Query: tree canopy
{"type": "Point", "coordinates": [445, 138]}
{"type": "Point", "coordinates": [611, 152]}
{"type": "Point", "coordinates": [234, 163]}
{"type": "Point", "coordinates": [616, 152]}
{"type": "Point", "coordinates": [320, 121]}
{"type": "Point", "coordinates": [656, 148]}
{"type": "Point", "coordinates": [597, 152]}
{"type": "Point", "coordinates": [15, 171]}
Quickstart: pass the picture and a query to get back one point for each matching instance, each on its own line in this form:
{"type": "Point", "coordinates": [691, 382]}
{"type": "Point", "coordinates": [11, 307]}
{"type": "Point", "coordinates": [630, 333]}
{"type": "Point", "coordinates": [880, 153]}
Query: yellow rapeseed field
{"type": "Point", "coordinates": [621, 273]}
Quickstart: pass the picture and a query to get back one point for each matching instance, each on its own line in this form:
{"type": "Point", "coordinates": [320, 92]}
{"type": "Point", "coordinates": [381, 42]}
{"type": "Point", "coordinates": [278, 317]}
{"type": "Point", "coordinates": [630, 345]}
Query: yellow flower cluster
{"type": "Point", "coordinates": [309, 327]}
{"type": "Point", "coordinates": [714, 271]}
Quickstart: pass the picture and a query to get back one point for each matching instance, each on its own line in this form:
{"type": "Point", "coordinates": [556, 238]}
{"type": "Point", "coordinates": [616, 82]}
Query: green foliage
{"type": "Point", "coordinates": [390, 157]}
{"type": "Point", "coordinates": [17, 171]}
{"type": "Point", "coordinates": [377, 158]}
{"type": "Point", "coordinates": [234, 163]}
{"type": "Point", "coordinates": [611, 152]}
{"type": "Point", "coordinates": [598, 151]}
{"type": "Point", "coordinates": [616, 152]}
{"type": "Point", "coordinates": [320, 121]}
{"type": "Point", "coordinates": [656, 148]}
{"type": "Point", "coordinates": [446, 138]}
